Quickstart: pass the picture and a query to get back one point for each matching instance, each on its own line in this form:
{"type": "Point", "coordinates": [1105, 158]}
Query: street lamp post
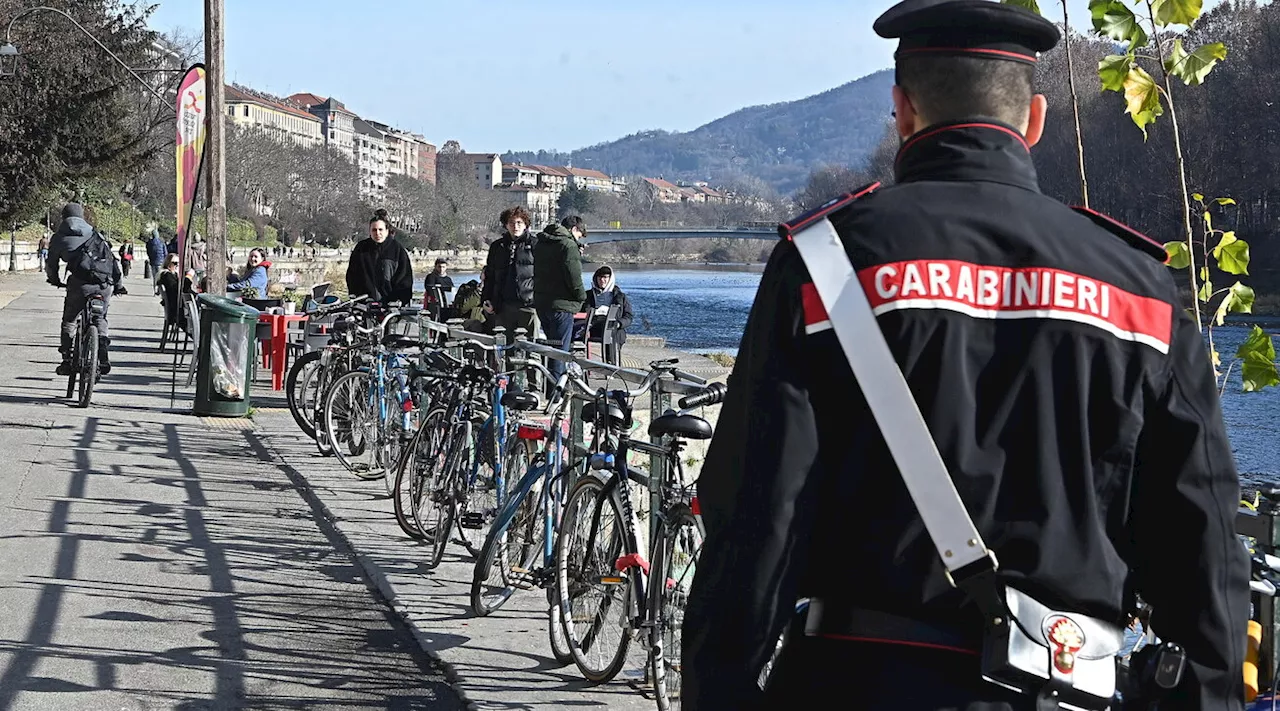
{"type": "Point", "coordinates": [13, 248]}
{"type": "Point", "coordinates": [9, 52]}
{"type": "Point", "coordinates": [8, 60]}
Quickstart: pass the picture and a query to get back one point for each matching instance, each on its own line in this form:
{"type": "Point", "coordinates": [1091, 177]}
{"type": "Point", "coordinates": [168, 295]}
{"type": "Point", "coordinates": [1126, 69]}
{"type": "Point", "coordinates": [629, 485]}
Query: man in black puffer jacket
{"type": "Point", "coordinates": [72, 234]}
{"type": "Point", "coordinates": [508, 276]}
{"type": "Point", "coordinates": [380, 267]}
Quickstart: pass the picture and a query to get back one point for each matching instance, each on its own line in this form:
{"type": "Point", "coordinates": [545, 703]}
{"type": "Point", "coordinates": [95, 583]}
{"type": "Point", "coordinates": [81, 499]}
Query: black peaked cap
{"type": "Point", "coordinates": [979, 28]}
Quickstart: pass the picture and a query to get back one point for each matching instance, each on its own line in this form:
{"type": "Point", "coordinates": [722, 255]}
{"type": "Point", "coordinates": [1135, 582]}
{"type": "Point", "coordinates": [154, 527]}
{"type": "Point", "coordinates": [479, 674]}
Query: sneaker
{"type": "Point", "coordinates": [65, 368]}
{"type": "Point", "coordinates": [104, 368]}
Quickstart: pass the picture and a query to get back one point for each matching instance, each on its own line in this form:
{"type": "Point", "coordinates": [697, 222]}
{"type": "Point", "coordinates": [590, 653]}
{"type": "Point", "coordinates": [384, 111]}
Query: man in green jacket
{"type": "Point", "coordinates": [557, 281]}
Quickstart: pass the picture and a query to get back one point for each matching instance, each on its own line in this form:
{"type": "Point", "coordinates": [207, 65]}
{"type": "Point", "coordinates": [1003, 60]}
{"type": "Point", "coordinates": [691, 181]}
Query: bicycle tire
{"type": "Point", "coordinates": [407, 487]}
{"type": "Point", "coordinates": [429, 496]}
{"type": "Point", "coordinates": [560, 649]}
{"type": "Point", "coordinates": [89, 366]}
{"type": "Point", "coordinates": [586, 499]}
{"type": "Point", "coordinates": [515, 460]}
{"type": "Point", "coordinates": [673, 571]}
{"type": "Point", "coordinates": [334, 428]}
{"type": "Point", "coordinates": [497, 554]}
{"type": "Point", "coordinates": [452, 482]}
{"type": "Point", "coordinates": [296, 385]}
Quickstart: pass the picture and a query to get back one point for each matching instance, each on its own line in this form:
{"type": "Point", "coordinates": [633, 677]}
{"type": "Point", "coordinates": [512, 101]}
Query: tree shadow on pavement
{"type": "Point", "coordinates": [187, 573]}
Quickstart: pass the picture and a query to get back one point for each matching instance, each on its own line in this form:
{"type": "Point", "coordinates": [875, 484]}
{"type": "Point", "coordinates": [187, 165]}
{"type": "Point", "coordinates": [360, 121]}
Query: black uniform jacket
{"type": "Point", "coordinates": [1070, 397]}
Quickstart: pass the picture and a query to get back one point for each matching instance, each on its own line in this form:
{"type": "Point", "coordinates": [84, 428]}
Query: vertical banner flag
{"type": "Point", "coordinates": [192, 122]}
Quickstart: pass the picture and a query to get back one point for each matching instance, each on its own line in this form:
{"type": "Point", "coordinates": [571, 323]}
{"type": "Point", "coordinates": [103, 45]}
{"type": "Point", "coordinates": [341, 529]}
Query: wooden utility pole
{"type": "Point", "coordinates": [215, 151]}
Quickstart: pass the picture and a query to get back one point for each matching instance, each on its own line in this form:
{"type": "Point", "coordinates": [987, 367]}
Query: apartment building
{"type": "Point", "coordinates": [586, 179]}
{"type": "Point", "coordinates": [540, 203]}
{"type": "Point", "coordinates": [662, 190]}
{"type": "Point", "coordinates": [249, 108]}
{"type": "Point", "coordinates": [371, 158]}
{"type": "Point", "coordinates": [337, 123]}
{"type": "Point", "coordinates": [517, 174]}
{"type": "Point", "coordinates": [426, 160]}
{"type": "Point", "coordinates": [552, 178]}
{"type": "Point", "coordinates": [488, 168]}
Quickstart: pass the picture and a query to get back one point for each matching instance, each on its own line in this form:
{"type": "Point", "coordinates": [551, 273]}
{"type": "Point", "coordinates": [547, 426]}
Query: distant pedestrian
{"type": "Point", "coordinates": [436, 288]}
{"type": "Point", "coordinates": [197, 255]}
{"type": "Point", "coordinates": [42, 249]}
{"type": "Point", "coordinates": [557, 282]}
{"type": "Point", "coordinates": [126, 257]}
{"type": "Point", "coordinates": [156, 252]}
{"type": "Point", "coordinates": [603, 295]}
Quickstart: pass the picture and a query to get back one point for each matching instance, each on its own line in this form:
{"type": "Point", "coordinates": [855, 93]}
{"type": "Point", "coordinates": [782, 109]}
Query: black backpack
{"type": "Point", "coordinates": [93, 262]}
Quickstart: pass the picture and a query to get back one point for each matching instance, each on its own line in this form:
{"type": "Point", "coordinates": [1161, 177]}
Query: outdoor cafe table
{"type": "Point", "coordinates": [279, 343]}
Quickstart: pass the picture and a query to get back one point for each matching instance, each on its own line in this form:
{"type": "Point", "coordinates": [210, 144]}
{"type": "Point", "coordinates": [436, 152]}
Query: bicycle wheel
{"type": "Point", "coordinates": [88, 365]}
{"type": "Point", "coordinates": [393, 437]}
{"type": "Point", "coordinates": [597, 600]}
{"type": "Point", "coordinates": [507, 560]}
{"type": "Point", "coordinates": [555, 630]}
{"type": "Point", "coordinates": [674, 565]}
{"type": "Point", "coordinates": [414, 471]}
{"type": "Point", "coordinates": [451, 482]}
{"type": "Point", "coordinates": [482, 502]}
{"type": "Point", "coordinates": [351, 424]}
{"type": "Point", "coordinates": [302, 387]}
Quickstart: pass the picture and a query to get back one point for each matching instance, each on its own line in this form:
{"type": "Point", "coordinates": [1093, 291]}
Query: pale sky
{"type": "Point", "coordinates": [502, 75]}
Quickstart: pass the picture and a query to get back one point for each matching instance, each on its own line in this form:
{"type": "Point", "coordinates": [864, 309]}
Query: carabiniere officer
{"type": "Point", "coordinates": [1070, 397]}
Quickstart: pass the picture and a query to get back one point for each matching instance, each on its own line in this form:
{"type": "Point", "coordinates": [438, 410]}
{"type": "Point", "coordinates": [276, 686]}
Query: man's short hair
{"type": "Point", "coordinates": [513, 212]}
{"type": "Point", "coordinates": [950, 88]}
{"type": "Point", "coordinates": [572, 221]}
{"type": "Point", "coordinates": [441, 260]}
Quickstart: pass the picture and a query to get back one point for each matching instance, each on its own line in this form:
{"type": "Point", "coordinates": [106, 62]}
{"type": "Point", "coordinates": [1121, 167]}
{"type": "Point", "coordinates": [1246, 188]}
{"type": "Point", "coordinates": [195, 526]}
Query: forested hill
{"type": "Point", "coordinates": [779, 143]}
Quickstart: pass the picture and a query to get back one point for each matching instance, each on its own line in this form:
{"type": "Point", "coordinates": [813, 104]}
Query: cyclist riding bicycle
{"type": "Point", "coordinates": [93, 270]}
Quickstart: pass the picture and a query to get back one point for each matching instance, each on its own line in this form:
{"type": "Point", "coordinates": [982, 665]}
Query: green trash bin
{"type": "Point", "coordinates": [226, 358]}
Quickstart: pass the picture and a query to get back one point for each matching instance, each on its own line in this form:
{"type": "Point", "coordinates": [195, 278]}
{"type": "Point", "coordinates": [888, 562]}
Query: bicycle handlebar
{"type": "Point", "coordinates": [713, 395]}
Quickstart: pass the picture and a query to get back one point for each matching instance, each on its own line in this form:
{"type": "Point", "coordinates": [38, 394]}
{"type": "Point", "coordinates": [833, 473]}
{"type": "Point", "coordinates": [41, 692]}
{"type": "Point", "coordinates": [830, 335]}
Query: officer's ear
{"type": "Point", "coordinates": [904, 114]}
{"type": "Point", "coordinates": [1036, 119]}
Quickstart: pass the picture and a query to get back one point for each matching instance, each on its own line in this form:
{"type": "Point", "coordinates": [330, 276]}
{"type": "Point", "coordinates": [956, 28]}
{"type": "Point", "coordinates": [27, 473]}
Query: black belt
{"type": "Point", "coordinates": [837, 621]}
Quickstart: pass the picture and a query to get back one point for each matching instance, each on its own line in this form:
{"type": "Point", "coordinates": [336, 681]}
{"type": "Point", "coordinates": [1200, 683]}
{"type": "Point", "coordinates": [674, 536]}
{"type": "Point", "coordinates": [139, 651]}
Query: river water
{"type": "Point", "coordinates": [704, 309]}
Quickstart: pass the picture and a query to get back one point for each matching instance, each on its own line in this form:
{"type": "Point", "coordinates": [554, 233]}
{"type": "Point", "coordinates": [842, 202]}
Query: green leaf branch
{"type": "Point", "coordinates": [1231, 254]}
{"type": "Point", "coordinates": [1148, 28]}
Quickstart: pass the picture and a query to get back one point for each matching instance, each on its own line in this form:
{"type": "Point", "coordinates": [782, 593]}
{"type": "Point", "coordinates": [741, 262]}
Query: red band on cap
{"type": "Point", "coordinates": [998, 53]}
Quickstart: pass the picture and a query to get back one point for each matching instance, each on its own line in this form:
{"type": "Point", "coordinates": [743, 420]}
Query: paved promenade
{"type": "Point", "coordinates": [150, 559]}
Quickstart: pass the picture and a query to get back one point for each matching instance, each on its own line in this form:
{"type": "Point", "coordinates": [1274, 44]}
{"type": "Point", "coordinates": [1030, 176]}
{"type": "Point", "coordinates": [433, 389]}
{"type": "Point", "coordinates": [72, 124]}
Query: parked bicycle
{"type": "Point", "coordinates": [609, 589]}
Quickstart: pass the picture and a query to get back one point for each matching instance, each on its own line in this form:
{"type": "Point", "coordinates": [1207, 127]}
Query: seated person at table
{"type": "Point", "coordinates": [254, 275]}
{"type": "Point", "coordinates": [168, 281]}
{"type": "Point", "coordinates": [603, 294]}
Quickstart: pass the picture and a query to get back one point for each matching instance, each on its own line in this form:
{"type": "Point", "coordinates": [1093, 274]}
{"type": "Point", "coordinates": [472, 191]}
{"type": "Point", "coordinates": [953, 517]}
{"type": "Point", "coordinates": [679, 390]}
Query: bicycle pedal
{"type": "Point", "coordinates": [473, 520]}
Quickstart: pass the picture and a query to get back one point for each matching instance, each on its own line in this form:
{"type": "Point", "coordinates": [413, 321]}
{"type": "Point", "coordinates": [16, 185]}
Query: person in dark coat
{"type": "Point", "coordinates": [156, 252]}
{"type": "Point", "coordinates": [507, 290]}
{"type": "Point", "coordinates": [435, 289]}
{"type": "Point", "coordinates": [72, 234]}
{"type": "Point", "coordinates": [1070, 397]}
{"type": "Point", "coordinates": [126, 257]}
{"type": "Point", "coordinates": [380, 267]}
